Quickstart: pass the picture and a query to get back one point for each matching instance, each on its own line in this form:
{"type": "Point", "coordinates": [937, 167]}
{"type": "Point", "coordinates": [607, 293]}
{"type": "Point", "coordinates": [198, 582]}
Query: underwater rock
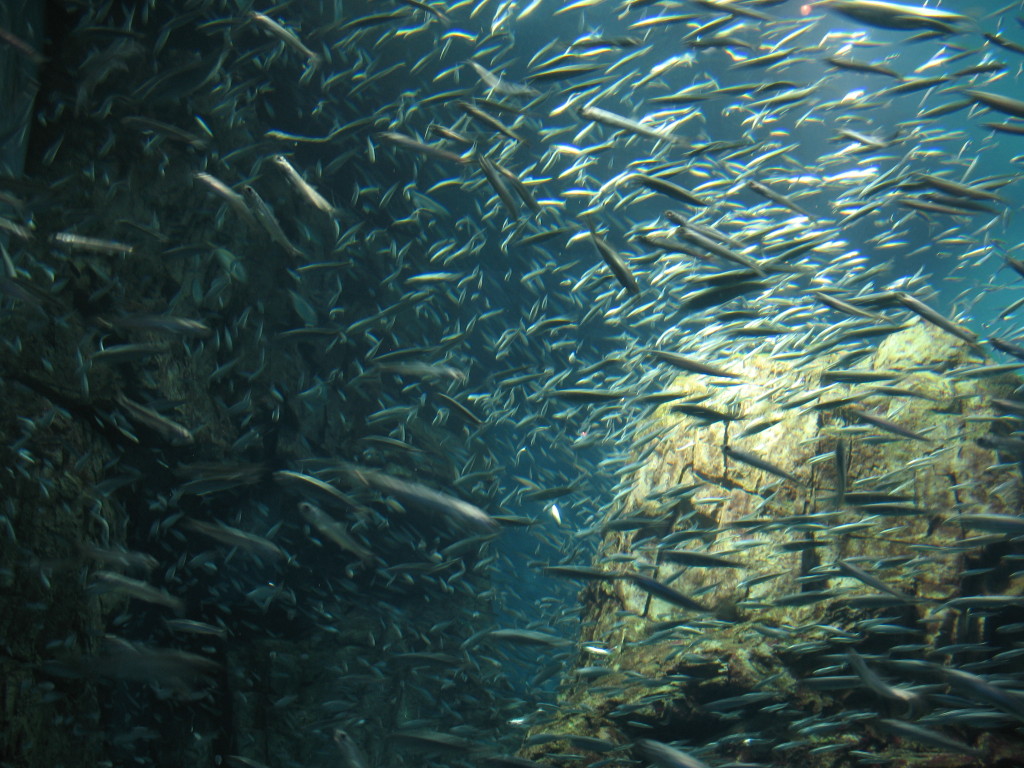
{"type": "Point", "coordinates": [822, 515]}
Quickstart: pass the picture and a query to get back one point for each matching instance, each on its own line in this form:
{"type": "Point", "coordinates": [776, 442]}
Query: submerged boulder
{"type": "Point", "coordinates": [807, 551]}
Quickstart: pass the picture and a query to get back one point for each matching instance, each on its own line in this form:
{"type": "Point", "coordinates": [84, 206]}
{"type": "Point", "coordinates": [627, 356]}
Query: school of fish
{"type": "Point", "coordinates": [339, 325]}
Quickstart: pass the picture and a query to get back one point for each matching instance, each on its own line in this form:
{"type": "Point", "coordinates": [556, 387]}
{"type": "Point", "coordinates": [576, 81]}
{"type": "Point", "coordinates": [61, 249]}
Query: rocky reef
{"type": "Point", "coordinates": [805, 553]}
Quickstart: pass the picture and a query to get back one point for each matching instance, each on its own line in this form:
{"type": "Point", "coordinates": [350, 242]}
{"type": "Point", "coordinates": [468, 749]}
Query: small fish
{"type": "Point", "coordinates": [874, 683]}
{"type": "Point", "coordinates": [921, 735]}
{"type": "Point", "coordinates": [120, 353]}
{"type": "Point", "coordinates": [234, 537]}
{"type": "Point", "coordinates": [843, 306]}
{"type": "Point", "coordinates": [1005, 104]}
{"type": "Point", "coordinates": [1009, 525]}
{"type": "Point", "coordinates": [898, 15]}
{"type": "Point", "coordinates": [304, 188]}
{"type": "Point", "coordinates": [459, 409]}
{"type": "Point", "coordinates": [488, 120]}
{"type": "Point", "coordinates": [842, 463]}
{"type": "Point", "coordinates": [1008, 347]}
{"type": "Point", "coordinates": [174, 433]}
{"type": "Point", "coordinates": [430, 150]}
{"type": "Point", "coordinates": [429, 9]}
{"type": "Point", "coordinates": [666, 593]}
{"type": "Point", "coordinates": [777, 197]}
{"type": "Point", "coordinates": [563, 72]}
{"type": "Point", "coordinates": [286, 36]}
{"type": "Point", "coordinates": [109, 581]}
{"type": "Point", "coordinates": [598, 41]}
{"type": "Point", "coordinates": [124, 660]}
{"type": "Point", "coordinates": [615, 263]}
{"type": "Point", "coordinates": [528, 637]}
{"type": "Point", "coordinates": [333, 530]}
{"type": "Point", "coordinates": [547, 494]}
{"type": "Point", "coordinates": [844, 62]}
{"type": "Point", "coordinates": [690, 364]}
{"type": "Point", "coordinates": [703, 412]}
{"type": "Point", "coordinates": [848, 568]}
{"type": "Point", "coordinates": [121, 558]}
{"type": "Point", "coordinates": [978, 688]}
{"type": "Point", "coordinates": [668, 188]}
{"type": "Point", "coordinates": [417, 494]}
{"type": "Point", "coordinates": [885, 424]}
{"type": "Point", "coordinates": [351, 755]}
{"type": "Point", "coordinates": [613, 120]}
{"type": "Point", "coordinates": [193, 627]}
{"type": "Point", "coordinates": [495, 180]}
{"type": "Point", "coordinates": [419, 370]}
{"type": "Point", "coordinates": [262, 213]}
{"type": "Point", "coordinates": [583, 395]}
{"type": "Point", "coordinates": [22, 47]}
{"type": "Point", "coordinates": [93, 244]}
{"type": "Point", "coordinates": [924, 311]}
{"type": "Point", "coordinates": [437, 741]}
{"type": "Point", "coordinates": [956, 188]}
{"type": "Point", "coordinates": [702, 241]}
{"type": "Point", "coordinates": [584, 572]}
{"type": "Point", "coordinates": [500, 85]}
{"type": "Point", "coordinates": [665, 756]}
{"type": "Point", "coordinates": [179, 326]}
{"type": "Point", "coordinates": [697, 559]}
{"type": "Point", "coordinates": [234, 200]}
{"type": "Point", "coordinates": [759, 463]}
{"type": "Point", "coordinates": [303, 484]}
{"type": "Point", "coordinates": [149, 125]}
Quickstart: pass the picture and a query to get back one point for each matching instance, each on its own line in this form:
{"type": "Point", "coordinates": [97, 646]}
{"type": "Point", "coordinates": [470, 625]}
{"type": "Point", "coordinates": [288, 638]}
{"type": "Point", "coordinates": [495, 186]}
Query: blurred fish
{"type": "Point", "coordinates": [613, 120]}
{"type": "Point", "coordinates": [333, 530]}
{"type": "Point", "coordinates": [262, 213]}
{"type": "Point", "coordinates": [108, 581]}
{"type": "Point", "coordinates": [420, 370]}
{"type": "Point", "coordinates": [898, 15]}
{"type": "Point", "coordinates": [351, 755]}
{"type": "Point", "coordinates": [234, 537]}
{"type": "Point", "coordinates": [666, 756]}
{"type": "Point", "coordinates": [500, 85]}
{"type": "Point", "coordinates": [173, 432]}
{"type": "Point", "coordinates": [286, 36]}
{"type": "Point", "coordinates": [461, 512]}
